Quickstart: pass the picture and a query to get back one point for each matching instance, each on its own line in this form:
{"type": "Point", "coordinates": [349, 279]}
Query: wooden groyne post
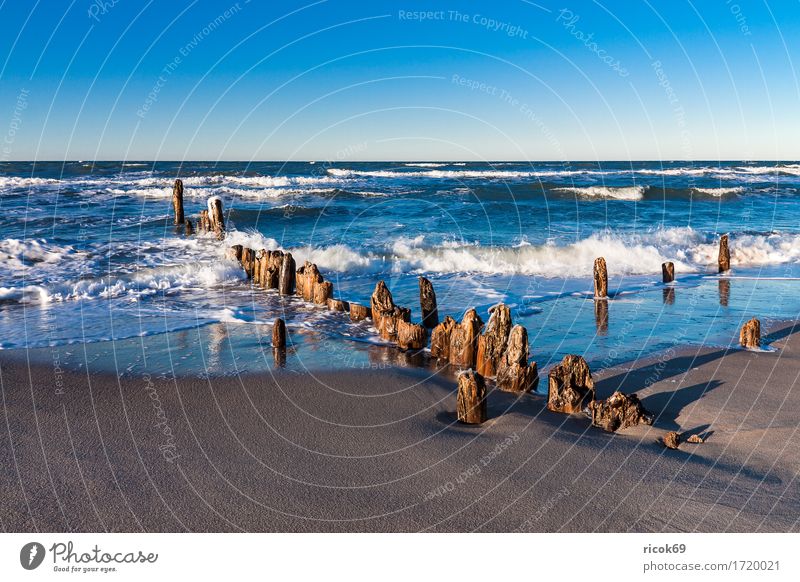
{"type": "Point", "coordinates": [279, 334]}
{"type": "Point", "coordinates": [750, 334]}
{"type": "Point", "coordinates": [427, 303]}
{"type": "Point", "coordinates": [600, 278]}
{"type": "Point", "coordinates": [471, 400]}
{"type": "Point", "coordinates": [724, 254]}
{"type": "Point", "coordinates": [215, 217]}
{"type": "Point", "coordinates": [177, 202]}
{"type": "Point", "coordinates": [667, 272]}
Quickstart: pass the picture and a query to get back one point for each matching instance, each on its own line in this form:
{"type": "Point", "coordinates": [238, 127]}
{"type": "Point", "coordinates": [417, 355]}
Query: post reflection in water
{"type": "Point", "coordinates": [669, 296]}
{"type": "Point", "coordinates": [724, 292]}
{"type": "Point", "coordinates": [601, 316]}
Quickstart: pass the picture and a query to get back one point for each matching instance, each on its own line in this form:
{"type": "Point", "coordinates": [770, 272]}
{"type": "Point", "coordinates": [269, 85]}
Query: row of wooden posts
{"type": "Point", "coordinates": [498, 351]}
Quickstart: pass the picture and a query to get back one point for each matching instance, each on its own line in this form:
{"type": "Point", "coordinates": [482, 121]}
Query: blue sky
{"type": "Point", "coordinates": [510, 80]}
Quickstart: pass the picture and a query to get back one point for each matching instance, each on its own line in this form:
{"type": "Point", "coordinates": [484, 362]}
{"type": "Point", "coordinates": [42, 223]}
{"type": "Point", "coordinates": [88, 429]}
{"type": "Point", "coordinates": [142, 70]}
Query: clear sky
{"type": "Point", "coordinates": [372, 80]}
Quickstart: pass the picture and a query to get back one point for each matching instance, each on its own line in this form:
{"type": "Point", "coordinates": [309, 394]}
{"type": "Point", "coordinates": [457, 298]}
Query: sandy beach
{"type": "Point", "coordinates": [380, 450]}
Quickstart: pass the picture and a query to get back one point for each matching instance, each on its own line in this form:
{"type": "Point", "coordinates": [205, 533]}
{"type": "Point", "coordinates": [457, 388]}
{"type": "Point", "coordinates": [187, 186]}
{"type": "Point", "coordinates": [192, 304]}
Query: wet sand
{"type": "Point", "coordinates": [379, 450]}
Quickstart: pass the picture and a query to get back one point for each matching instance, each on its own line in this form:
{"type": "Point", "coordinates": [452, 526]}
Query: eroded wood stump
{"type": "Point", "coordinates": [514, 373]}
{"type": "Point", "coordinates": [411, 336]}
{"type": "Point", "coordinates": [464, 340]}
{"type": "Point", "coordinates": [492, 344]}
{"type": "Point", "coordinates": [203, 222]}
{"type": "Point", "coordinates": [600, 278]}
{"type": "Point", "coordinates": [286, 279]}
{"type": "Point", "coordinates": [216, 219]}
{"type": "Point", "coordinates": [570, 385]}
{"type": "Point", "coordinates": [619, 411]}
{"type": "Point", "coordinates": [750, 334]}
{"type": "Point", "coordinates": [338, 305]}
{"type": "Point", "coordinates": [471, 400]}
{"type": "Point", "coordinates": [383, 311]}
{"type": "Point", "coordinates": [177, 202]}
{"type": "Point", "coordinates": [248, 261]}
{"type": "Point", "coordinates": [260, 265]}
{"type": "Point", "coordinates": [671, 440]}
{"type": "Point", "coordinates": [427, 303]}
{"type": "Point", "coordinates": [667, 272]}
{"type": "Point", "coordinates": [440, 339]}
{"type": "Point", "coordinates": [323, 292]}
{"type": "Point", "coordinates": [359, 312]}
{"type": "Point", "coordinates": [279, 334]}
{"type": "Point", "coordinates": [308, 277]}
{"type": "Point", "coordinates": [189, 227]}
{"type": "Point", "coordinates": [237, 250]}
{"type": "Point", "coordinates": [724, 259]}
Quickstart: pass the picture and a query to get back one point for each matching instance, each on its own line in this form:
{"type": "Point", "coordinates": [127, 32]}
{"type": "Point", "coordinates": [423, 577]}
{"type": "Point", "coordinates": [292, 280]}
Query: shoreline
{"type": "Point", "coordinates": [379, 450]}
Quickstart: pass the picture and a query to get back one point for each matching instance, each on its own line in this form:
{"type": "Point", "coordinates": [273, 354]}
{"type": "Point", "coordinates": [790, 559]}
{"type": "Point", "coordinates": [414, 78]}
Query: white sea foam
{"type": "Point", "coordinates": [616, 193]}
{"type": "Point", "coordinates": [8, 182]}
{"type": "Point", "coordinates": [718, 192]}
{"type": "Point", "coordinates": [631, 254]}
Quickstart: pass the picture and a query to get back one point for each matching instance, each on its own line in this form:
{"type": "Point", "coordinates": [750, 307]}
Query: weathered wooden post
{"type": "Point", "coordinates": [667, 272]}
{"type": "Point", "coordinates": [514, 374]}
{"type": "Point", "coordinates": [216, 217]}
{"type": "Point", "coordinates": [177, 201]}
{"type": "Point", "coordinates": [724, 254]}
{"type": "Point", "coordinates": [359, 312]}
{"type": "Point", "coordinates": [492, 344]}
{"type": "Point", "coordinates": [308, 277]}
{"type": "Point", "coordinates": [619, 411]}
{"type": "Point", "coordinates": [258, 263]}
{"type": "Point", "coordinates": [322, 292]}
{"type": "Point", "coordinates": [286, 279]}
{"type": "Point", "coordinates": [202, 221]}
{"type": "Point", "coordinates": [248, 261]}
{"type": "Point", "coordinates": [427, 303]}
{"type": "Point", "coordinates": [600, 278]}
{"type": "Point", "coordinates": [570, 385]}
{"type": "Point", "coordinates": [338, 305]}
{"type": "Point", "coordinates": [279, 334]}
{"type": "Point", "coordinates": [189, 227]}
{"type": "Point", "coordinates": [464, 340]}
{"type": "Point", "coordinates": [411, 336]}
{"type": "Point", "coordinates": [383, 311]}
{"type": "Point", "coordinates": [750, 334]}
{"type": "Point", "coordinates": [440, 339]}
{"type": "Point", "coordinates": [471, 400]}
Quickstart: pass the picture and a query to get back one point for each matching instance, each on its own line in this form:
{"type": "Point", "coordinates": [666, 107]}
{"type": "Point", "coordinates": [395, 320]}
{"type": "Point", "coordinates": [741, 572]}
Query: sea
{"type": "Point", "coordinates": [93, 273]}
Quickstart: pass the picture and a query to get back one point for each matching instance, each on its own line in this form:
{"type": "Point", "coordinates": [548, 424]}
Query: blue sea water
{"type": "Point", "coordinates": [92, 268]}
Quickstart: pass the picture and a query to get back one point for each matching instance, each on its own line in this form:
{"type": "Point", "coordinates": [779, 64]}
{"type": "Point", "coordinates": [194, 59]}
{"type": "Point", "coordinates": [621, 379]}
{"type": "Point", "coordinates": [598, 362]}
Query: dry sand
{"type": "Point", "coordinates": [379, 450]}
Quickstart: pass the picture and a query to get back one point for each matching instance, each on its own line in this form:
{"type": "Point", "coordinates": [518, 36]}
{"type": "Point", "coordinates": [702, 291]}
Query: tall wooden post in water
{"type": "Point", "coordinates": [177, 201]}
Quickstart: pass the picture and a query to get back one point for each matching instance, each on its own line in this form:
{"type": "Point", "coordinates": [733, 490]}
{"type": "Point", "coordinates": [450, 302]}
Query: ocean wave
{"type": "Point", "coordinates": [630, 254]}
{"type": "Point", "coordinates": [21, 182]}
{"type": "Point", "coordinates": [718, 192]}
{"type": "Point", "coordinates": [630, 193]}
{"type": "Point", "coordinates": [16, 254]}
{"type": "Point", "coordinates": [454, 174]}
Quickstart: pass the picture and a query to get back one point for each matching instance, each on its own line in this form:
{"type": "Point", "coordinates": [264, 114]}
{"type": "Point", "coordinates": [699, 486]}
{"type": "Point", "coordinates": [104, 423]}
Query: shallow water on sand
{"type": "Point", "coordinates": [93, 269]}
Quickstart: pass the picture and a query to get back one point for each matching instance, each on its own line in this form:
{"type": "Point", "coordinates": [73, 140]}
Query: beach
{"type": "Point", "coordinates": [379, 450]}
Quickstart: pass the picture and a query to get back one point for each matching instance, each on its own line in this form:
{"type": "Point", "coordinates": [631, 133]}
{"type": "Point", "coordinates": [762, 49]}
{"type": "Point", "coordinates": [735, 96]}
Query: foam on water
{"type": "Point", "coordinates": [612, 193]}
